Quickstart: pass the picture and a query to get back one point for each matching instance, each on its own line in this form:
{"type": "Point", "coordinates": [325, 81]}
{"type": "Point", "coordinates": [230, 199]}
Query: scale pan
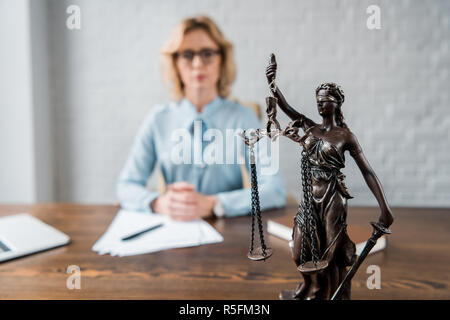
{"type": "Point", "coordinates": [310, 267]}
{"type": "Point", "coordinates": [257, 254]}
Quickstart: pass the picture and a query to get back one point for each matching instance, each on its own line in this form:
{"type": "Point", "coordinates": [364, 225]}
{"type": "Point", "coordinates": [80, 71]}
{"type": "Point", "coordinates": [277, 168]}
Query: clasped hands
{"type": "Point", "coordinates": [182, 203]}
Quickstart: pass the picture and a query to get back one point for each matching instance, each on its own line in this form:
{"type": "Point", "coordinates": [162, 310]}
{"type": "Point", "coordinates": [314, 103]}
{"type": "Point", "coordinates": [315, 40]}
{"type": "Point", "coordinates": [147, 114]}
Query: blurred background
{"type": "Point", "coordinates": [71, 100]}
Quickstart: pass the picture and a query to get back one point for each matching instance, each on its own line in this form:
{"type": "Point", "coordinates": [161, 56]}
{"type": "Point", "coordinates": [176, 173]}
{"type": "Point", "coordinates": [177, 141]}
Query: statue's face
{"type": "Point", "coordinates": [326, 104]}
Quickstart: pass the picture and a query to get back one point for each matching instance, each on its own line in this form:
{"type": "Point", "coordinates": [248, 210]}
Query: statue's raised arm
{"type": "Point", "coordinates": [300, 119]}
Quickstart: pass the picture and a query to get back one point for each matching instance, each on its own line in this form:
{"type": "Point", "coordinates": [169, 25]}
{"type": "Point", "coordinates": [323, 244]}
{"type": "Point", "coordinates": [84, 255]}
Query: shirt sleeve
{"type": "Point", "coordinates": [131, 186]}
{"type": "Point", "coordinates": [272, 190]}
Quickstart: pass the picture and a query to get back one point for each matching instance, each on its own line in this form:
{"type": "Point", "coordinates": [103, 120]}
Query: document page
{"type": "Point", "coordinates": [172, 234]}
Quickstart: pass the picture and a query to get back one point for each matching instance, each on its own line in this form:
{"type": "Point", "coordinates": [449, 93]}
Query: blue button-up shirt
{"type": "Point", "coordinates": [172, 136]}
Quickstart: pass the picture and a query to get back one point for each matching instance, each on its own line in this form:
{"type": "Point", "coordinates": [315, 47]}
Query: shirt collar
{"type": "Point", "coordinates": [208, 110]}
{"type": "Point", "coordinates": [205, 115]}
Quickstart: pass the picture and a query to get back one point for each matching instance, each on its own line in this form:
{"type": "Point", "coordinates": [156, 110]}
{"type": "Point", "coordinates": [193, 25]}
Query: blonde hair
{"type": "Point", "coordinates": [169, 68]}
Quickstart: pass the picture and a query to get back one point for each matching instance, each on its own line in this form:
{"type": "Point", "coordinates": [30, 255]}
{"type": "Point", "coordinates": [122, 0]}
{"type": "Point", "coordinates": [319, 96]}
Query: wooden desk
{"type": "Point", "coordinates": [416, 264]}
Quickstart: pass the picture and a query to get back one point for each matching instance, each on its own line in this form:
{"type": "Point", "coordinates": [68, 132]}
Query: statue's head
{"type": "Point", "coordinates": [330, 98]}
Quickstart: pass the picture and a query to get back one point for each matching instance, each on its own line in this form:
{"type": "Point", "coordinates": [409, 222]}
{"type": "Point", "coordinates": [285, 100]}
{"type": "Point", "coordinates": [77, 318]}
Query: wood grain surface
{"type": "Point", "coordinates": [415, 265]}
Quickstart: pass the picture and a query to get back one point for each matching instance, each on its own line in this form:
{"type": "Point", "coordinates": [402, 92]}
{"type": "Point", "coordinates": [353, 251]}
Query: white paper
{"type": "Point", "coordinates": [172, 234]}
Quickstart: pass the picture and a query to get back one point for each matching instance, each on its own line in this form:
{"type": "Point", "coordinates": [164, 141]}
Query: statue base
{"type": "Point", "coordinates": [287, 295]}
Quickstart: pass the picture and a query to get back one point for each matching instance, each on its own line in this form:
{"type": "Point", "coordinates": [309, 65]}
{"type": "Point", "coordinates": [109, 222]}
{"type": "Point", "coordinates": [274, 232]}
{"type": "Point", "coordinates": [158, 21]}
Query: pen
{"type": "Point", "coordinates": [142, 232]}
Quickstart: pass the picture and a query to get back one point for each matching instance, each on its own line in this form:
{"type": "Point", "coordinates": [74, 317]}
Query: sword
{"type": "Point", "coordinates": [378, 231]}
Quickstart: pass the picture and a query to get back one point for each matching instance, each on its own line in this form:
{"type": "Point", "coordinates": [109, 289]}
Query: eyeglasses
{"type": "Point", "coordinates": [206, 55]}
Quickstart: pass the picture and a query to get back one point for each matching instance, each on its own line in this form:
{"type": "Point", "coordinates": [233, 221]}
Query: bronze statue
{"type": "Point", "coordinates": [322, 249]}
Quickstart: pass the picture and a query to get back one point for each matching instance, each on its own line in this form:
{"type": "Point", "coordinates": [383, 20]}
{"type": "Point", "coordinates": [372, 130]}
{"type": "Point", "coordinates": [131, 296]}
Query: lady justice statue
{"type": "Point", "coordinates": [322, 249]}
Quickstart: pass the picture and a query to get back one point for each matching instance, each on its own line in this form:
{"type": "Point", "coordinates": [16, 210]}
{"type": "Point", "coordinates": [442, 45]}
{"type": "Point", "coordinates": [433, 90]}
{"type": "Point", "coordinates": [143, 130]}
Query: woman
{"type": "Point", "coordinates": [319, 232]}
{"type": "Point", "coordinates": [198, 63]}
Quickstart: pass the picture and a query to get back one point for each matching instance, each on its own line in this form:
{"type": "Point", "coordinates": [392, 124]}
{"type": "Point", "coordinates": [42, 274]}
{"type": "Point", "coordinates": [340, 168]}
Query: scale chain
{"type": "Point", "coordinates": [252, 160]}
{"type": "Point", "coordinates": [256, 210]}
{"type": "Point", "coordinates": [308, 222]}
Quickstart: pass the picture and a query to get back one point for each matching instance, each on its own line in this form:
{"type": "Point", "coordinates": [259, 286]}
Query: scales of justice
{"type": "Point", "coordinates": [323, 252]}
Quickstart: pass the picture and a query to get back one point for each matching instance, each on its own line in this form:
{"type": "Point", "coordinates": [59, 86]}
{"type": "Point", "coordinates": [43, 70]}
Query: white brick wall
{"type": "Point", "coordinates": [105, 77]}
